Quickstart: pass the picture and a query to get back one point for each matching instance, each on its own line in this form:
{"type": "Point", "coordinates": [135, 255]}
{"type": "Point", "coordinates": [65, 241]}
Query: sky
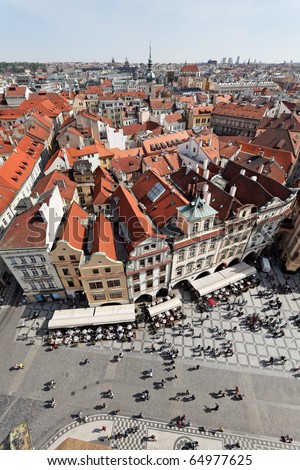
{"type": "Point", "coordinates": [179, 30]}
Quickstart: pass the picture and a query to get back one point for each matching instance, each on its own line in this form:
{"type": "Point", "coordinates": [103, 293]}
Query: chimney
{"type": "Point", "coordinates": [205, 188]}
{"type": "Point", "coordinates": [243, 171]}
{"type": "Point", "coordinates": [206, 174]}
{"type": "Point", "coordinates": [233, 190]}
{"type": "Point", "coordinates": [205, 164]}
{"type": "Point", "coordinates": [261, 168]}
{"type": "Point", "coordinates": [207, 197]}
{"type": "Point", "coordinates": [253, 178]}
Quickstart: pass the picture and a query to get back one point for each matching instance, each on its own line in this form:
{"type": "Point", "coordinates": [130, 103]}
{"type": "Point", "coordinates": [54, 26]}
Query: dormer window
{"type": "Point", "coordinates": [206, 224]}
{"type": "Point", "coordinates": [196, 228]}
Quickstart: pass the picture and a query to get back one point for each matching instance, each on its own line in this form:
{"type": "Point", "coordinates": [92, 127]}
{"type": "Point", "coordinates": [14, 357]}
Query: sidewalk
{"type": "Point", "coordinates": [167, 437]}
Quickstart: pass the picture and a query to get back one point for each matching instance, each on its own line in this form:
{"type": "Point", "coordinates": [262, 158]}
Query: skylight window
{"type": "Point", "coordinates": [156, 192]}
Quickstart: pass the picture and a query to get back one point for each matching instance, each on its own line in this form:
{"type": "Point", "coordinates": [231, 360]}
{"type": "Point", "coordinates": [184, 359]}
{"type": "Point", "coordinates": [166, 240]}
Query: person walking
{"type": "Point", "coordinates": [216, 407]}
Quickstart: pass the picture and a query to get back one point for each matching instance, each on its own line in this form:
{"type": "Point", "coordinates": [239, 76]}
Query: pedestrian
{"type": "Point", "coordinates": [175, 376]}
{"type": "Point", "coordinates": [197, 367]}
{"type": "Point", "coordinates": [187, 392]}
{"type": "Point", "coordinates": [86, 361]}
{"type": "Point", "coordinates": [216, 407]}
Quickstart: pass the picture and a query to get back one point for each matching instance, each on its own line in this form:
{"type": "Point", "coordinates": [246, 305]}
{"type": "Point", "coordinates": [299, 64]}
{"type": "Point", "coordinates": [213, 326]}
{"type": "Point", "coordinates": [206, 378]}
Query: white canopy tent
{"type": "Point", "coordinates": [71, 318]}
{"type": "Point", "coordinates": [164, 306]}
{"type": "Point", "coordinates": [92, 316]}
{"type": "Point", "coordinates": [223, 278]}
{"type": "Point", "coordinates": [114, 314]}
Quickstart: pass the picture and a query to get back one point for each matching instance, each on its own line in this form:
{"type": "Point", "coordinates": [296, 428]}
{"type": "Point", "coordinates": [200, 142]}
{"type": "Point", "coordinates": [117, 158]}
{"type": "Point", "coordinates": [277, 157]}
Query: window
{"type": "Point", "coordinates": [25, 273]}
{"type": "Point", "coordinates": [208, 261]}
{"type": "Point", "coordinates": [150, 273]}
{"type": "Point", "coordinates": [189, 268]}
{"type": "Point", "coordinates": [44, 271]}
{"type": "Point", "coordinates": [23, 260]}
{"type": "Point", "coordinates": [66, 272]}
{"type": "Point", "coordinates": [42, 258]}
{"type": "Point", "coordinates": [50, 284]}
{"type": "Point", "coordinates": [192, 252]}
{"type": "Point", "coordinates": [206, 224]}
{"type": "Point", "coordinates": [32, 285]}
{"type": "Point", "coordinates": [61, 258]}
{"type": "Point", "coordinates": [107, 270]}
{"type": "Point", "coordinates": [162, 280]}
{"type": "Point", "coordinates": [142, 263]}
{"type": "Point", "coordinates": [116, 295]}
{"type": "Point", "coordinates": [201, 249]}
{"type": "Point", "coordinates": [156, 192]}
{"type": "Point", "coordinates": [77, 272]}
{"type": "Point", "coordinates": [95, 271]}
{"type": "Point", "coordinates": [32, 259]}
{"type": "Point", "coordinates": [179, 271]}
{"type": "Point", "coordinates": [157, 258]}
{"type": "Point", "coordinates": [195, 228]}
{"type": "Point", "coordinates": [113, 283]}
{"type": "Point", "coordinates": [70, 283]}
{"type": "Point", "coordinates": [199, 263]}
{"type": "Point", "coordinates": [96, 285]}
{"type": "Point", "coordinates": [163, 269]}
{"type": "Point", "coordinates": [34, 272]}
{"type": "Point", "coordinates": [181, 256]}
{"type": "Point", "coordinates": [153, 245]}
{"type": "Point", "coordinates": [149, 284]}
{"type": "Point", "coordinates": [212, 245]}
{"type": "Point", "coordinates": [136, 288]}
{"type": "Point", "coordinates": [150, 261]}
{"type": "Point", "coordinates": [99, 296]}
{"type": "Point", "coordinates": [13, 261]}
{"type": "Point", "coordinates": [146, 248]}
{"type": "Point", "coordinates": [136, 277]}
{"type": "Point", "coordinates": [42, 285]}
{"type": "Point", "coordinates": [72, 257]}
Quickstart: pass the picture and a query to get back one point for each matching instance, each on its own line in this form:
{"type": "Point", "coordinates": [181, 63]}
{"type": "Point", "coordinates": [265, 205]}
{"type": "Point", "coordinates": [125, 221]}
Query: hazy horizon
{"type": "Point", "coordinates": [193, 31]}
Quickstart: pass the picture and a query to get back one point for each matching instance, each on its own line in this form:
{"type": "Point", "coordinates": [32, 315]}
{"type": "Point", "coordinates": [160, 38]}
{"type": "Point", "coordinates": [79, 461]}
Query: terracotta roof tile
{"type": "Point", "coordinates": [74, 230]}
{"type": "Point", "coordinates": [104, 240]}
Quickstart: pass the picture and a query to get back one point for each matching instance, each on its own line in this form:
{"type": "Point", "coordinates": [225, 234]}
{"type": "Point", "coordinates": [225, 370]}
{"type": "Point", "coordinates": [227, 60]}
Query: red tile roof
{"type": "Point", "coordinates": [175, 117]}
{"type": "Point", "coordinates": [74, 231]}
{"type": "Point", "coordinates": [282, 157]}
{"type": "Point", "coordinates": [27, 230]}
{"type": "Point", "coordinates": [191, 183]}
{"type": "Point", "coordinates": [188, 68]}
{"type": "Point", "coordinates": [253, 192]}
{"type": "Point", "coordinates": [165, 206]}
{"type": "Point", "coordinates": [104, 240]}
{"type": "Point", "coordinates": [161, 104]}
{"type": "Point", "coordinates": [11, 114]}
{"type": "Point", "coordinates": [163, 164]}
{"type": "Point", "coordinates": [67, 187]}
{"type": "Point", "coordinates": [15, 90]}
{"type": "Point", "coordinates": [169, 142]}
{"type": "Point", "coordinates": [104, 186]}
{"type": "Point", "coordinates": [240, 111]}
{"type": "Point", "coordinates": [137, 223]}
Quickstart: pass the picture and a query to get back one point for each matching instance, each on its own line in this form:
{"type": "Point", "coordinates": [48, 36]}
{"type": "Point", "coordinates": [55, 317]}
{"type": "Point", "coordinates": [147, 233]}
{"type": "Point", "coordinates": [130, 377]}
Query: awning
{"type": "Point", "coordinates": [92, 316]}
{"type": "Point", "coordinates": [223, 278]}
{"type": "Point", "coordinates": [164, 306]}
{"type": "Point", "coordinates": [71, 318]}
{"type": "Point", "coordinates": [211, 302]}
{"type": "Point", "coordinates": [114, 314]}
